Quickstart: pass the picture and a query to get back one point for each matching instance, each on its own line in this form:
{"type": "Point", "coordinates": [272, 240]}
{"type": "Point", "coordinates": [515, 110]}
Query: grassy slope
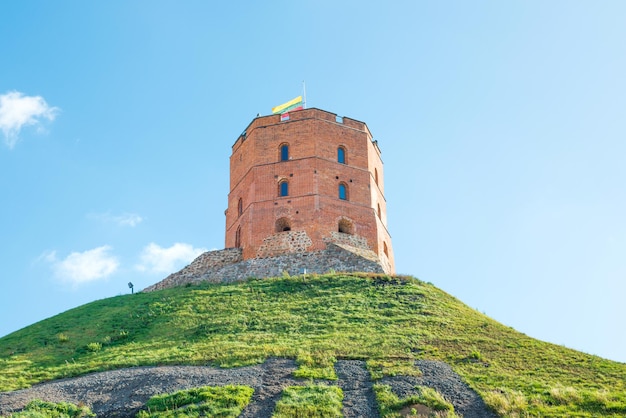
{"type": "Point", "coordinates": [388, 321]}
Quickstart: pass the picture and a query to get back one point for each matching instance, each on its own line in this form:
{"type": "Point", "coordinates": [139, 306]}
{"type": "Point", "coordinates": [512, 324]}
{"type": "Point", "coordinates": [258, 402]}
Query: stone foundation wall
{"type": "Point", "coordinates": [386, 264]}
{"type": "Point", "coordinates": [284, 243]}
{"type": "Point", "coordinates": [354, 241]}
{"type": "Point", "coordinates": [339, 258]}
{"type": "Point", "coordinates": [363, 253]}
{"type": "Point", "coordinates": [209, 260]}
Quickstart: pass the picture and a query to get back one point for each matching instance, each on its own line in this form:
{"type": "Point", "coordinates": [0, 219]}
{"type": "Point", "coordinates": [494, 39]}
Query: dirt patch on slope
{"type": "Point", "coordinates": [122, 393]}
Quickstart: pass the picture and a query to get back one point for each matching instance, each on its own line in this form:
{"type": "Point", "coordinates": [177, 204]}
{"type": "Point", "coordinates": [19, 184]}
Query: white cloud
{"type": "Point", "coordinates": [48, 256]}
{"type": "Point", "coordinates": [156, 259]}
{"type": "Point", "coordinates": [17, 111]}
{"type": "Point", "coordinates": [128, 219]}
{"type": "Point", "coordinates": [125, 219]}
{"type": "Point", "coordinates": [88, 266]}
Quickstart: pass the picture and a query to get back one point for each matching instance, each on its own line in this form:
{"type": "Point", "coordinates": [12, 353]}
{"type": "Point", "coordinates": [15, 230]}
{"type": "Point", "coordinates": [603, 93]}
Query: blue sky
{"type": "Point", "coordinates": [502, 126]}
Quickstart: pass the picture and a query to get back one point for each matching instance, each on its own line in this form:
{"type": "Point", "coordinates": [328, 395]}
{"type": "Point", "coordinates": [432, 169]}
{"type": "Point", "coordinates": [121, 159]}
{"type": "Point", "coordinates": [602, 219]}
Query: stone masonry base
{"type": "Point", "coordinates": [228, 265]}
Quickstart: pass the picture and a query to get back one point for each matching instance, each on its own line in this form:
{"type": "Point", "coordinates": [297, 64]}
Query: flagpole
{"type": "Point", "coordinates": [304, 93]}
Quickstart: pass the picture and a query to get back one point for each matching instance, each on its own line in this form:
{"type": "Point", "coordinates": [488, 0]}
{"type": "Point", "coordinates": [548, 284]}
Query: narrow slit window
{"type": "Point", "coordinates": [238, 237]}
{"type": "Point", "coordinates": [284, 188]}
{"type": "Point", "coordinates": [284, 152]}
{"type": "Point", "coordinates": [341, 155]}
{"type": "Point", "coordinates": [343, 191]}
{"type": "Point", "coordinates": [239, 207]}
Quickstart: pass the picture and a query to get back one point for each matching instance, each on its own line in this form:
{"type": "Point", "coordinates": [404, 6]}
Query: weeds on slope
{"type": "Point", "coordinates": [207, 401]}
{"type": "Point", "coordinates": [42, 409]}
{"type": "Point", "coordinates": [315, 401]}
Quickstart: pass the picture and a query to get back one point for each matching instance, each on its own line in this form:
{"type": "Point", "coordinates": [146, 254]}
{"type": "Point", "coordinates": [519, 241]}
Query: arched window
{"type": "Point", "coordinates": [376, 176]}
{"type": "Point", "coordinates": [379, 213]}
{"type": "Point", "coordinates": [345, 226]}
{"type": "Point", "coordinates": [284, 152]}
{"type": "Point", "coordinates": [385, 250]}
{"type": "Point", "coordinates": [283, 188]}
{"type": "Point", "coordinates": [239, 207]}
{"type": "Point", "coordinates": [343, 191]}
{"type": "Point", "coordinates": [283, 225]}
{"type": "Point", "coordinates": [238, 237]}
{"type": "Point", "coordinates": [341, 155]}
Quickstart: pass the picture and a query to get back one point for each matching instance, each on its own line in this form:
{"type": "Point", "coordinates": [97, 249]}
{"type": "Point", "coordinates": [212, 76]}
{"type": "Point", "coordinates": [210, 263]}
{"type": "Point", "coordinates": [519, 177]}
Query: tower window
{"type": "Point", "coordinates": [239, 207]}
{"type": "Point", "coordinates": [376, 176]}
{"type": "Point", "coordinates": [283, 225]}
{"type": "Point", "coordinates": [385, 250]}
{"type": "Point", "coordinates": [345, 226]}
{"type": "Point", "coordinates": [238, 237]}
{"type": "Point", "coordinates": [284, 152]}
{"type": "Point", "coordinates": [343, 191]}
{"type": "Point", "coordinates": [283, 188]}
{"type": "Point", "coordinates": [379, 213]}
{"type": "Point", "coordinates": [341, 155]}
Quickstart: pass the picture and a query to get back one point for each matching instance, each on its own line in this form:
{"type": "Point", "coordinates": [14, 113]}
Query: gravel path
{"type": "Point", "coordinates": [122, 393]}
{"type": "Point", "coordinates": [358, 395]}
{"type": "Point", "coordinates": [439, 376]}
{"type": "Point", "coordinates": [277, 375]}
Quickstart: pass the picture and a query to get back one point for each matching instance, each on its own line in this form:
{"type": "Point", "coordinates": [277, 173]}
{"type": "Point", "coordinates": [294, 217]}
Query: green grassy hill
{"type": "Point", "coordinates": [388, 321]}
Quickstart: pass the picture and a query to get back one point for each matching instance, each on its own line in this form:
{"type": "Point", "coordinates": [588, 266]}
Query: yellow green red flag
{"type": "Point", "coordinates": [294, 104]}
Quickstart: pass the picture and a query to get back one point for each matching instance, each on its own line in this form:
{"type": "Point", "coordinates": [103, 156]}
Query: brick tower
{"type": "Point", "coordinates": [302, 181]}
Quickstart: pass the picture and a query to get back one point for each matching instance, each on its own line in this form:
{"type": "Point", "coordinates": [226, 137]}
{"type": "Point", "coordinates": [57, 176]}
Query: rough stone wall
{"type": "Point", "coordinates": [284, 243]}
{"type": "Point", "coordinates": [364, 253]}
{"type": "Point", "coordinates": [354, 241]}
{"type": "Point", "coordinates": [338, 258]}
{"type": "Point", "coordinates": [209, 260]}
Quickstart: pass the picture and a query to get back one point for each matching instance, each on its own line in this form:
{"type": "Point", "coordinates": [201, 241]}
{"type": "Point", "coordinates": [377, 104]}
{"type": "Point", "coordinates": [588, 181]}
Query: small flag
{"type": "Point", "coordinates": [284, 117]}
{"type": "Point", "coordinates": [291, 105]}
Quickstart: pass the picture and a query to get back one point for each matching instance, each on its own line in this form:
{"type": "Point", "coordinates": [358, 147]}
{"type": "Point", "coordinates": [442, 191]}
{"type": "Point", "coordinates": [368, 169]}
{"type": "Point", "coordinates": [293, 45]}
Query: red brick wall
{"type": "Point", "coordinates": [314, 175]}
